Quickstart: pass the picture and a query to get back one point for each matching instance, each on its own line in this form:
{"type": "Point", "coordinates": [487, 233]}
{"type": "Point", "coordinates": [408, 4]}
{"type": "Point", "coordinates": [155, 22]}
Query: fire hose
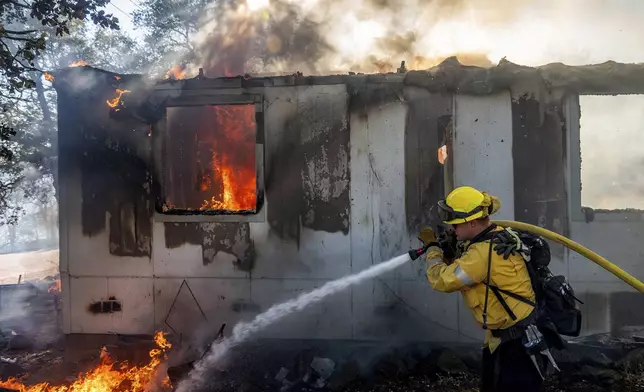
{"type": "Point", "coordinates": [558, 238]}
{"type": "Point", "coordinates": [572, 245]}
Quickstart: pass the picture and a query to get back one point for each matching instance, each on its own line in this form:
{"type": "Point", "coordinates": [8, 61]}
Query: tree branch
{"type": "Point", "coordinates": [17, 4]}
{"type": "Point", "coordinates": [17, 38]}
{"type": "Point", "coordinates": [19, 32]}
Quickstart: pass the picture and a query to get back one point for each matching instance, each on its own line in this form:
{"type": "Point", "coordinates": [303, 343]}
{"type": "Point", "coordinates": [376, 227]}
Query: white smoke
{"type": "Point", "coordinates": [330, 36]}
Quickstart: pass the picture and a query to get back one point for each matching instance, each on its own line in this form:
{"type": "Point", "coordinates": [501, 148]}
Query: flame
{"type": "Point", "coordinates": [49, 77]}
{"type": "Point", "coordinates": [238, 182]}
{"type": "Point", "coordinates": [117, 99]}
{"type": "Point", "coordinates": [55, 287]}
{"type": "Point", "coordinates": [107, 376]}
{"type": "Point", "coordinates": [177, 72]}
{"type": "Point", "coordinates": [79, 63]}
{"type": "Point", "coordinates": [442, 154]}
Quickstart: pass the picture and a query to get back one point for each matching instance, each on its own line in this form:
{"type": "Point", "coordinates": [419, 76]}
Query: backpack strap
{"type": "Point", "coordinates": [497, 292]}
{"type": "Point", "coordinates": [486, 234]}
{"type": "Point", "coordinates": [511, 295]}
{"type": "Point", "coordinates": [487, 286]}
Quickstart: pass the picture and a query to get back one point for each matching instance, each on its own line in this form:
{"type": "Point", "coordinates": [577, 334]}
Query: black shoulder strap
{"type": "Point", "coordinates": [487, 286]}
{"type": "Point", "coordinates": [513, 295]}
{"type": "Point", "coordinates": [497, 293]}
{"type": "Point", "coordinates": [486, 234]}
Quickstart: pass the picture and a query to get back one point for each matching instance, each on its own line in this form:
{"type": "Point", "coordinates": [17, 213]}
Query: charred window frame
{"type": "Point", "coordinates": [161, 131]}
{"type": "Point", "coordinates": [573, 142]}
{"type": "Point", "coordinates": [579, 213]}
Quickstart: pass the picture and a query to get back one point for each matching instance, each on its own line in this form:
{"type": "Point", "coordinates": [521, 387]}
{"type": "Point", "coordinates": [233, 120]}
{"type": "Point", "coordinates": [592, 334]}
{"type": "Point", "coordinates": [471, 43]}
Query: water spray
{"type": "Point", "coordinates": [243, 331]}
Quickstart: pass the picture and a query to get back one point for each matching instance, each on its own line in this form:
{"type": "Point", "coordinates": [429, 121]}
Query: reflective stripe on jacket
{"type": "Point", "coordinates": [467, 273]}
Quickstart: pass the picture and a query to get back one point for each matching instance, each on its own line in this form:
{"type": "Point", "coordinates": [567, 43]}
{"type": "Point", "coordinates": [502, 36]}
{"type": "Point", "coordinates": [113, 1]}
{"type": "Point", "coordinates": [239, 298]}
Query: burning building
{"type": "Point", "coordinates": [207, 200]}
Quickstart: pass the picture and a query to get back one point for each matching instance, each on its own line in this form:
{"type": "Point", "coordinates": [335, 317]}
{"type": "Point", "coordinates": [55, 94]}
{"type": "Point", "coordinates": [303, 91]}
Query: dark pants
{"type": "Point", "coordinates": [509, 369]}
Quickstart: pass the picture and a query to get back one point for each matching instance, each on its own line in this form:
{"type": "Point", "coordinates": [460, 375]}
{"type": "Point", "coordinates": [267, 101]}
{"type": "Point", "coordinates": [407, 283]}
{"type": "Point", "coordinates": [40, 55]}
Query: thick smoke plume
{"type": "Point", "coordinates": [336, 36]}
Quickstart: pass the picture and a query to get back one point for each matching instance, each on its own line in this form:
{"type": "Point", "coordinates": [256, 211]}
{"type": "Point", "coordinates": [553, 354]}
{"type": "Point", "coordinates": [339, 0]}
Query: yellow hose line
{"type": "Point", "coordinates": [589, 254]}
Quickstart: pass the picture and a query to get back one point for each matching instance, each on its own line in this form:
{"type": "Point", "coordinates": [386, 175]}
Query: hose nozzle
{"type": "Point", "coordinates": [416, 253]}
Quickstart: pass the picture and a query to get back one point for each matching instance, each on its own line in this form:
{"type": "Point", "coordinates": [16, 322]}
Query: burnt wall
{"type": "Point", "coordinates": [427, 128]}
{"type": "Point", "coordinates": [539, 155]}
{"type": "Point", "coordinates": [232, 238]}
{"type": "Point", "coordinates": [606, 78]}
{"type": "Point", "coordinates": [111, 156]}
{"type": "Point", "coordinates": [307, 166]}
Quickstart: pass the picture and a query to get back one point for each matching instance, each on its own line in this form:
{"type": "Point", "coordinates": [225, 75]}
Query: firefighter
{"type": "Point", "coordinates": [509, 323]}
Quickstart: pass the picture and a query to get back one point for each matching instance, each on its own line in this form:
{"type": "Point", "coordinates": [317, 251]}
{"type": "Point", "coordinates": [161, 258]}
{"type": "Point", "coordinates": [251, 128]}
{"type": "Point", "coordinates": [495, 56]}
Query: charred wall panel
{"type": "Point", "coordinates": [307, 179]}
{"type": "Point", "coordinates": [539, 165]}
{"type": "Point", "coordinates": [428, 127]}
{"type": "Point", "coordinates": [232, 238]}
{"type": "Point", "coordinates": [112, 158]}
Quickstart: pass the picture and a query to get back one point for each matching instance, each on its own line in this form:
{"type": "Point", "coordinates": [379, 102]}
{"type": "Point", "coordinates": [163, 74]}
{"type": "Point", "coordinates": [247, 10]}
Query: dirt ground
{"type": "Point", "coordinates": [61, 363]}
{"type": "Point", "coordinates": [31, 265]}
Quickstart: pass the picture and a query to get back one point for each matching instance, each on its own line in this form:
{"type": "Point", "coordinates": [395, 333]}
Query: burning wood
{"type": "Point", "coordinates": [107, 376]}
{"type": "Point", "coordinates": [238, 182]}
{"type": "Point", "coordinates": [49, 77]}
{"type": "Point", "coordinates": [113, 103]}
{"type": "Point", "coordinates": [79, 63]}
{"type": "Point", "coordinates": [220, 174]}
{"type": "Point", "coordinates": [177, 72]}
{"type": "Point", "coordinates": [55, 287]}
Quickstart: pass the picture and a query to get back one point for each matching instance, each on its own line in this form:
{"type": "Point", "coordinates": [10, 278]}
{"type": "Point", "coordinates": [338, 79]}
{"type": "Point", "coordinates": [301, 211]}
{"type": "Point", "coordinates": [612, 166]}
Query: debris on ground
{"type": "Point", "coordinates": [592, 363]}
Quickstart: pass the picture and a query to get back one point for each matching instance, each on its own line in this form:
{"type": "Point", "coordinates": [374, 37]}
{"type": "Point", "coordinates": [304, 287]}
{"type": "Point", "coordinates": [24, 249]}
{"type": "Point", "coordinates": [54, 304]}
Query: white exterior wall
{"type": "Point", "coordinates": [483, 147]}
{"type": "Point", "coordinates": [398, 305]}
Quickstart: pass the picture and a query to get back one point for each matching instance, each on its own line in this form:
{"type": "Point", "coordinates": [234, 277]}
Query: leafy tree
{"type": "Point", "coordinates": [169, 27]}
{"type": "Point", "coordinates": [26, 26]}
{"type": "Point", "coordinates": [26, 29]}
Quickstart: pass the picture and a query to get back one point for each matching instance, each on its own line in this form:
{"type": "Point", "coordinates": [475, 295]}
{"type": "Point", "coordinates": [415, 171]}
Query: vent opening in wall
{"type": "Point", "coordinates": [110, 306]}
{"type": "Point", "coordinates": [611, 135]}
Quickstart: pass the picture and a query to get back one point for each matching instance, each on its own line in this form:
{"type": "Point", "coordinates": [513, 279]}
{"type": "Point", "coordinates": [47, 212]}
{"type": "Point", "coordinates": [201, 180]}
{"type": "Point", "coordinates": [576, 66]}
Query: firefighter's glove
{"type": "Point", "coordinates": [507, 243]}
{"type": "Point", "coordinates": [448, 244]}
{"type": "Point", "coordinates": [427, 236]}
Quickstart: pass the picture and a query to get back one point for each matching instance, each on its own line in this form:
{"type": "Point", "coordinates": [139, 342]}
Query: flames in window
{"type": "Point", "coordinates": [442, 154]}
{"type": "Point", "coordinates": [210, 159]}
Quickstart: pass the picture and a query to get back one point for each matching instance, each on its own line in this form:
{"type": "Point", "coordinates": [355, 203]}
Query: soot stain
{"type": "Point", "coordinates": [229, 237]}
{"type": "Point", "coordinates": [308, 180]}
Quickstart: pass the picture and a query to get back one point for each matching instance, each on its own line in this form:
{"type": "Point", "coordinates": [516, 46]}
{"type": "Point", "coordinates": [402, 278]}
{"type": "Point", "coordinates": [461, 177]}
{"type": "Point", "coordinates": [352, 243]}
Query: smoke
{"type": "Point", "coordinates": [336, 36]}
{"type": "Point", "coordinates": [612, 133]}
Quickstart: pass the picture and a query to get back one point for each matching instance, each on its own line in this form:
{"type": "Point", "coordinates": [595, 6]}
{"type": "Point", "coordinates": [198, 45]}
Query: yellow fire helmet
{"type": "Point", "coordinates": [465, 204]}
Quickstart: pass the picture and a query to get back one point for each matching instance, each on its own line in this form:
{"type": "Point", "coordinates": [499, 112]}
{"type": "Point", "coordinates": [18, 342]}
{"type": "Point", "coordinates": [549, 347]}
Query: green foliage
{"type": "Point", "coordinates": [169, 27]}
{"type": "Point", "coordinates": [28, 28]}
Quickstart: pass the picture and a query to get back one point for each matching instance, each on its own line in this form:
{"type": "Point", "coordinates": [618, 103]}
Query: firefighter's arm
{"type": "Point", "coordinates": [467, 270]}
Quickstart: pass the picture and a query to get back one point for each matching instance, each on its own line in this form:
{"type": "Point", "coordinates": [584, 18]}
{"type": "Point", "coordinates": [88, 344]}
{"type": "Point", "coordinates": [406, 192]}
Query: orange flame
{"type": "Point", "coordinates": [79, 63]}
{"type": "Point", "coordinates": [49, 77]}
{"type": "Point", "coordinates": [115, 101]}
{"type": "Point", "coordinates": [442, 154]}
{"type": "Point", "coordinates": [177, 72]}
{"type": "Point", "coordinates": [238, 181]}
{"type": "Point", "coordinates": [107, 377]}
{"type": "Point", "coordinates": [55, 287]}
